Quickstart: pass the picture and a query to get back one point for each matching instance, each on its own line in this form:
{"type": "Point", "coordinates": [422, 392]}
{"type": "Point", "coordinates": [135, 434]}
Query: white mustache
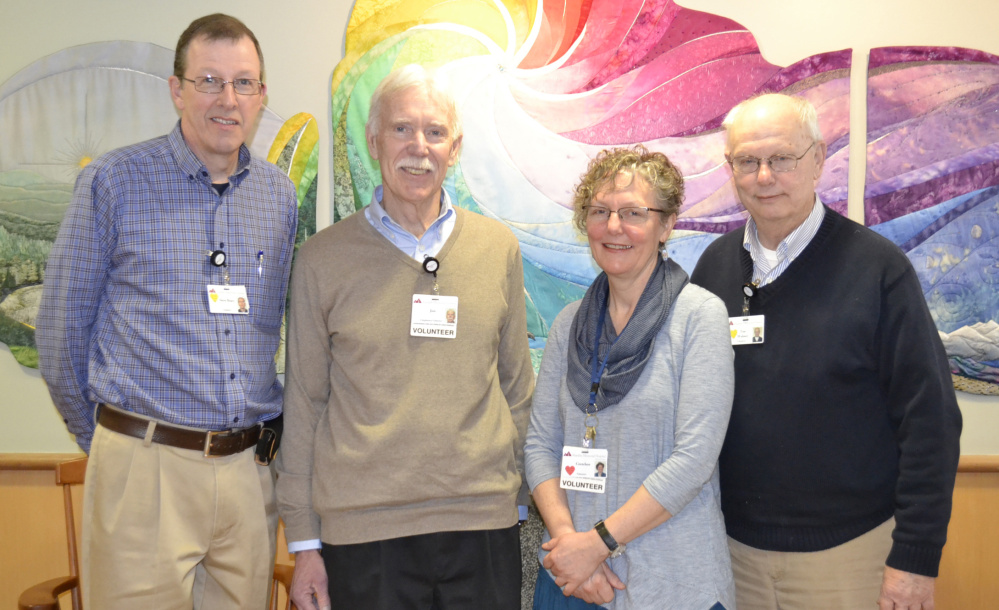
{"type": "Point", "coordinates": [415, 163]}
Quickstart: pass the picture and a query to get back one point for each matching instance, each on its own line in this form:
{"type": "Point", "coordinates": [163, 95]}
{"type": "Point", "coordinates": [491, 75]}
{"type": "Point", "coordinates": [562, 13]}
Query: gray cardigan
{"type": "Point", "coordinates": [666, 435]}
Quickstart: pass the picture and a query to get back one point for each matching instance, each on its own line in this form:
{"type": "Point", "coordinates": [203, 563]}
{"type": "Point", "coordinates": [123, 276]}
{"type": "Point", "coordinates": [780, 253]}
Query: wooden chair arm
{"type": "Point", "coordinates": [283, 574]}
{"type": "Point", "coordinates": [45, 596]}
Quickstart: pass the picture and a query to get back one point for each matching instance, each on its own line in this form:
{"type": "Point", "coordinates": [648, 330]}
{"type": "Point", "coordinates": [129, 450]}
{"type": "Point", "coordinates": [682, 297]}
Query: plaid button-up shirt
{"type": "Point", "coordinates": [124, 317]}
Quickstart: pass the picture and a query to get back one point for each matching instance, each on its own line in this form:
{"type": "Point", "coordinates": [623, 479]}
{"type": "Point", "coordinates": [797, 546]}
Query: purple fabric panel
{"type": "Point", "coordinates": [812, 69]}
{"type": "Point", "coordinates": [884, 56]}
{"type": "Point", "coordinates": [933, 130]}
{"type": "Point", "coordinates": [916, 94]}
{"type": "Point", "coordinates": [922, 195]}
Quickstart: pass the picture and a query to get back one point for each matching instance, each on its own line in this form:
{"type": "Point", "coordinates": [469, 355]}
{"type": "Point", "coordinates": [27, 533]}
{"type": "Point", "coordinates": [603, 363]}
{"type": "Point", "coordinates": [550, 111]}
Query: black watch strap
{"type": "Point", "coordinates": [606, 536]}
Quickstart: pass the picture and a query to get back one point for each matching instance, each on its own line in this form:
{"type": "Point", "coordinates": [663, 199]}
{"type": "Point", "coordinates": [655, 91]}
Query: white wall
{"type": "Point", "coordinates": [303, 40]}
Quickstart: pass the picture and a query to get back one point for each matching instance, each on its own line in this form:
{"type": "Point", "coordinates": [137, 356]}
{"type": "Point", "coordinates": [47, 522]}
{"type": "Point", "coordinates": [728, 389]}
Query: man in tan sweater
{"type": "Point", "coordinates": [408, 384]}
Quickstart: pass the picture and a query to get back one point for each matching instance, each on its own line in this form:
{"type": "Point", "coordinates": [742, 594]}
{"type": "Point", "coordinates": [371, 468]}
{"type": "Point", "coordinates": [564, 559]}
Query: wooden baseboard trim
{"type": "Point", "coordinates": [978, 463]}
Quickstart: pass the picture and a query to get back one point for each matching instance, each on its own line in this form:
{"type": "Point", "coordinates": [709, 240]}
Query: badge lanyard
{"type": "Point", "coordinates": [596, 372]}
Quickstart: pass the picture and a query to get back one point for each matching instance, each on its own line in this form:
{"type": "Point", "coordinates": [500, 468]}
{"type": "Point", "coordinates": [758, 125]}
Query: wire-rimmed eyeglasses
{"type": "Point", "coordinates": [629, 215]}
{"type": "Point", "coordinates": [214, 84]}
{"type": "Point", "coordinates": [747, 164]}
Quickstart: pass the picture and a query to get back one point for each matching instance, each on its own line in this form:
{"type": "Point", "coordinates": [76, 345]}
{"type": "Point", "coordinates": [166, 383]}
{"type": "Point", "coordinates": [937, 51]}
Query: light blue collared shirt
{"type": "Point", "coordinates": [764, 270]}
{"type": "Point", "coordinates": [418, 248]}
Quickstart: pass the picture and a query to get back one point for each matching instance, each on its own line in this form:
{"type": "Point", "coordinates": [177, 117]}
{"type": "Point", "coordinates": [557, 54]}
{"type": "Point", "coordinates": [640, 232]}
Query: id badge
{"type": "Point", "coordinates": [746, 330]}
{"type": "Point", "coordinates": [584, 469]}
{"type": "Point", "coordinates": [434, 316]}
{"type": "Point", "coordinates": [228, 299]}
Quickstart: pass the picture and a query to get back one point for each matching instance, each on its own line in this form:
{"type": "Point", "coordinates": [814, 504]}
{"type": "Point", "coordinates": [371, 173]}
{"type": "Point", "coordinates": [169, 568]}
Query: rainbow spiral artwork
{"type": "Point", "coordinates": [543, 87]}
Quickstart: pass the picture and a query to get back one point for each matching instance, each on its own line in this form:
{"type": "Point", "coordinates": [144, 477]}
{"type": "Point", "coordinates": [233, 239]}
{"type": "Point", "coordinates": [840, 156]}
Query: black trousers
{"type": "Point", "coordinates": [466, 570]}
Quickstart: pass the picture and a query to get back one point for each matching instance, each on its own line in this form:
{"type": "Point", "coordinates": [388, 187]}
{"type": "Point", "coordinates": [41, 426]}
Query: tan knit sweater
{"type": "Point", "coordinates": [388, 435]}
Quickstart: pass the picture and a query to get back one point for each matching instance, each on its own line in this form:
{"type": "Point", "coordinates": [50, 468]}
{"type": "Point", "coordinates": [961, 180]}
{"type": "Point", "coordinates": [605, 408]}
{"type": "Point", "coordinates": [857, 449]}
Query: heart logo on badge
{"type": "Point", "coordinates": [734, 333]}
{"type": "Point", "coordinates": [214, 297]}
{"type": "Point", "coordinates": [570, 469]}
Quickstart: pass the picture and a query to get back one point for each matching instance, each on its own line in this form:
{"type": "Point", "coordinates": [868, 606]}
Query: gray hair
{"type": "Point", "coordinates": [433, 82]}
{"type": "Point", "coordinates": [803, 108]}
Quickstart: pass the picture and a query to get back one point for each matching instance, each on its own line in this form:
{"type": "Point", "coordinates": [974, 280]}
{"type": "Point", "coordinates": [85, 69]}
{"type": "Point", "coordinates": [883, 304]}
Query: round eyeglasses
{"type": "Point", "coordinates": [630, 215]}
{"type": "Point", "coordinates": [214, 84]}
{"type": "Point", "coordinates": [746, 164]}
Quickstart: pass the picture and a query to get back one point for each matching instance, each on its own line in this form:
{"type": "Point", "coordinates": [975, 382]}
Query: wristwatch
{"type": "Point", "coordinates": [616, 550]}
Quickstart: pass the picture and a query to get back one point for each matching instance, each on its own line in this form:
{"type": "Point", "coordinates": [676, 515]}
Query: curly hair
{"type": "Point", "coordinates": [663, 178]}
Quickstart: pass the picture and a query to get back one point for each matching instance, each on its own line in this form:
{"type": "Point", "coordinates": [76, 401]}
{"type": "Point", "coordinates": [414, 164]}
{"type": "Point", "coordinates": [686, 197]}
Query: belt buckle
{"type": "Point", "coordinates": [208, 442]}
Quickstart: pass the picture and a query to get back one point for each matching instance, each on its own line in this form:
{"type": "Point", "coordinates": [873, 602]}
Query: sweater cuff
{"type": "Point", "coordinates": [524, 494]}
{"type": "Point", "coordinates": [921, 560]}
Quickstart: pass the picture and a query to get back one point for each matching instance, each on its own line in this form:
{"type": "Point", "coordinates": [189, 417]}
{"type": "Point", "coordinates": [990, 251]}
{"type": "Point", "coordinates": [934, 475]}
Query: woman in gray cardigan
{"type": "Point", "coordinates": [636, 376]}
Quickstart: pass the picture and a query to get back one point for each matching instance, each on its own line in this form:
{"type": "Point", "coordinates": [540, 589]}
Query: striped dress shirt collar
{"type": "Point", "coordinates": [787, 250]}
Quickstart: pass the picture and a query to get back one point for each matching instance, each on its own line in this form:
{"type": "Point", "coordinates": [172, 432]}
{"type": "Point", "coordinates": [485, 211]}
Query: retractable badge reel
{"type": "Point", "coordinates": [431, 265]}
{"type": "Point", "coordinates": [217, 259]}
{"type": "Point", "coordinates": [748, 292]}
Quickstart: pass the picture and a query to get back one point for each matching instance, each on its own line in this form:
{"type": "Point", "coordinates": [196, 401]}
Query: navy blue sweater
{"type": "Point", "coordinates": [846, 414]}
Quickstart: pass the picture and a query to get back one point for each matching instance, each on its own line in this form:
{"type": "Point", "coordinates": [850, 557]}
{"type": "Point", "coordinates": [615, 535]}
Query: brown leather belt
{"type": "Point", "coordinates": [213, 444]}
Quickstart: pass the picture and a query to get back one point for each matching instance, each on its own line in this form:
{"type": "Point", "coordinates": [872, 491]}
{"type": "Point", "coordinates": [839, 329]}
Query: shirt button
{"type": "Point", "coordinates": [235, 420]}
{"type": "Point", "coordinates": [227, 332]}
{"type": "Point", "coordinates": [232, 375]}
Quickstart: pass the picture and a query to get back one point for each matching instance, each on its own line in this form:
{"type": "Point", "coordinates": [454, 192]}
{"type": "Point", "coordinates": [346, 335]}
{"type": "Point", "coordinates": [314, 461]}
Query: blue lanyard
{"type": "Point", "coordinates": [595, 372]}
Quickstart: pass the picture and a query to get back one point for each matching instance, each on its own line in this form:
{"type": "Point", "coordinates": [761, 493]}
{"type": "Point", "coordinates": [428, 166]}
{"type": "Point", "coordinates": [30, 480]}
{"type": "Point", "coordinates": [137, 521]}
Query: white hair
{"type": "Point", "coordinates": [433, 82]}
{"type": "Point", "coordinates": [802, 107]}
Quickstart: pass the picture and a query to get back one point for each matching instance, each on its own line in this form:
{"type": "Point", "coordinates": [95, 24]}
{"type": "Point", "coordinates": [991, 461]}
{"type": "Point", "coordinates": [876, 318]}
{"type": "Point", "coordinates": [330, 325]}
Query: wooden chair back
{"type": "Point", "coordinates": [68, 474]}
{"type": "Point", "coordinates": [44, 596]}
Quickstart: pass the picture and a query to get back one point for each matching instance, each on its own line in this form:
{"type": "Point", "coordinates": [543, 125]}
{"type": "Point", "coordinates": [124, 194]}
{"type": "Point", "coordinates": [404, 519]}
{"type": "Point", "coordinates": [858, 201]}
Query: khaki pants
{"type": "Point", "coordinates": [169, 528]}
{"type": "Point", "coordinates": [846, 576]}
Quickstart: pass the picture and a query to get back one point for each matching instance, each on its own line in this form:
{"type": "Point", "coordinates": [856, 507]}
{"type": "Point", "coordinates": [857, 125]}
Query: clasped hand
{"type": "Point", "coordinates": [577, 561]}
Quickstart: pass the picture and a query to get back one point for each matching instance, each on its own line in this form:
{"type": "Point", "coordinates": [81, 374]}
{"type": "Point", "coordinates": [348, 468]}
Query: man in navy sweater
{"type": "Point", "coordinates": [839, 464]}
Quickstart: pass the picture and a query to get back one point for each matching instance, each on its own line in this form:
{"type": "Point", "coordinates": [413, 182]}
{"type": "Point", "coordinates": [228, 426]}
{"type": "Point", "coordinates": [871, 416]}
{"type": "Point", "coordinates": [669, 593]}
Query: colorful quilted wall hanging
{"type": "Point", "coordinates": [542, 88]}
{"type": "Point", "coordinates": [933, 189]}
